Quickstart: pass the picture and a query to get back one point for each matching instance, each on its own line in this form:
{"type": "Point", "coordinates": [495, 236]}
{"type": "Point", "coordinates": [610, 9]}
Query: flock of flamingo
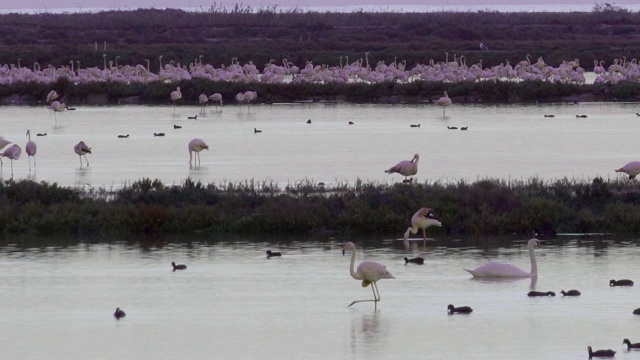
{"type": "Point", "coordinates": [360, 70]}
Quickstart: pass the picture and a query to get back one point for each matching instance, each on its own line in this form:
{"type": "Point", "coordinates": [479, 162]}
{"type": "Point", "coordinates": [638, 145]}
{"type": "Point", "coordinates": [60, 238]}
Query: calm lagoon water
{"type": "Point", "coordinates": [234, 303]}
{"type": "Point", "coordinates": [508, 142]}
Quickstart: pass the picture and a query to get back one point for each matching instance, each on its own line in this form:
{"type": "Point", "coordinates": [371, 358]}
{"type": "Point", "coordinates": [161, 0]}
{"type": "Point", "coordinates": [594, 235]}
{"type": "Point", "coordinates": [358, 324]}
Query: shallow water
{"type": "Point", "coordinates": [503, 141]}
{"type": "Point", "coordinates": [233, 302]}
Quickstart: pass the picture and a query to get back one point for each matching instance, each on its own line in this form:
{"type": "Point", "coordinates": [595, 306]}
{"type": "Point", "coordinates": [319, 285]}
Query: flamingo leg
{"type": "Point", "coordinates": [376, 296]}
{"type": "Point", "coordinates": [87, 160]}
{"type": "Point", "coordinates": [80, 157]}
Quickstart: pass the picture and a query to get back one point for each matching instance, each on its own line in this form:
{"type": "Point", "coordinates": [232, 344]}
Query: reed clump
{"type": "Point", "coordinates": [484, 207]}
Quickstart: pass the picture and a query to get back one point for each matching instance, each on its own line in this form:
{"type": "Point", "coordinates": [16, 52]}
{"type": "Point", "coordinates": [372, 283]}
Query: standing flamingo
{"type": "Point", "coordinates": [82, 150]}
{"type": "Point", "coordinates": [216, 98]}
{"type": "Point", "coordinates": [52, 95]}
{"type": "Point", "coordinates": [3, 142]}
{"type": "Point", "coordinates": [12, 153]}
{"type": "Point", "coordinates": [368, 271]}
{"type": "Point", "coordinates": [175, 96]}
{"type": "Point", "coordinates": [422, 219]}
{"type": "Point", "coordinates": [444, 102]}
{"type": "Point", "coordinates": [632, 169]}
{"type": "Point", "coordinates": [57, 107]}
{"type": "Point", "coordinates": [203, 100]}
{"type": "Point", "coordinates": [31, 149]}
{"type": "Point", "coordinates": [195, 146]}
{"type": "Point", "coordinates": [406, 168]}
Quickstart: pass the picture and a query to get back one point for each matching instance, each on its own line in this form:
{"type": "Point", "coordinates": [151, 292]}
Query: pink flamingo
{"type": "Point", "coordinates": [368, 271]}
{"type": "Point", "coordinates": [82, 150]}
{"type": "Point", "coordinates": [52, 95]}
{"type": "Point", "coordinates": [632, 169]}
{"type": "Point", "coordinates": [12, 153]}
{"type": "Point", "coordinates": [406, 168]}
{"type": "Point", "coordinates": [444, 102]}
{"type": "Point", "coordinates": [216, 98]}
{"type": "Point", "coordinates": [3, 142]}
{"type": "Point", "coordinates": [175, 96]}
{"type": "Point", "coordinates": [203, 100]}
{"type": "Point", "coordinates": [31, 149]}
{"type": "Point", "coordinates": [422, 219]}
{"type": "Point", "coordinates": [195, 146]}
{"type": "Point", "coordinates": [57, 106]}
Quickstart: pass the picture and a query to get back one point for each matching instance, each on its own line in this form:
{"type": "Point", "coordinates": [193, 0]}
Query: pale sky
{"type": "Point", "coordinates": [159, 4]}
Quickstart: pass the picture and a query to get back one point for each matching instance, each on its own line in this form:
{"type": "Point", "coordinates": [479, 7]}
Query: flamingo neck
{"type": "Point", "coordinates": [353, 273]}
{"type": "Point", "coordinates": [534, 263]}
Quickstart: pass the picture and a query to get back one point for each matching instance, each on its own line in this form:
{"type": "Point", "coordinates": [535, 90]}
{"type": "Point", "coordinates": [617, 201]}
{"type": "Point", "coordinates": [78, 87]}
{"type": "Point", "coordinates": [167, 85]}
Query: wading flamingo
{"type": "Point", "coordinates": [422, 219]}
{"type": "Point", "coordinates": [406, 168]}
{"type": "Point", "coordinates": [175, 96]}
{"type": "Point", "coordinates": [499, 270]}
{"type": "Point", "coordinates": [368, 271]}
{"type": "Point", "coordinates": [82, 150]}
{"type": "Point", "coordinates": [195, 146]}
{"type": "Point", "coordinates": [216, 99]}
{"type": "Point", "coordinates": [444, 102]}
{"type": "Point", "coordinates": [203, 100]}
{"type": "Point", "coordinates": [632, 169]}
{"type": "Point", "coordinates": [13, 152]}
{"type": "Point", "coordinates": [57, 107]}
{"type": "Point", "coordinates": [31, 149]}
{"type": "Point", "coordinates": [3, 142]}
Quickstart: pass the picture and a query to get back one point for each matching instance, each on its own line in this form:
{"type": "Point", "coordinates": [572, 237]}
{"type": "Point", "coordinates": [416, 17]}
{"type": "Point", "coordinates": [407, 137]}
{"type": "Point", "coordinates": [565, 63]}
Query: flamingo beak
{"type": "Point", "coordinates": [343, 252]}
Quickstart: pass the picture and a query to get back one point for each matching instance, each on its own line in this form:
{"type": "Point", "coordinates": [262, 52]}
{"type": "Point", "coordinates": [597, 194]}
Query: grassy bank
{"type": "Point", "coordinates": [487, 207]}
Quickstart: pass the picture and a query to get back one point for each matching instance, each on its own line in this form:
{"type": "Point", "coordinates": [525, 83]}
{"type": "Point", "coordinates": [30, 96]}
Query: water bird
{"type": "Point", "coordinates": [414, 125]}
{"type": "Point", "coordinates": [193, 117]}
{"type": "Point", "coordinates": [444, 102]}
{"type": "Point", "coordinates": [52, 95]}
{"type": "Point", "coordinates": [422, 219]}
{"type": "Point", "coordinates": [500, 270]}
{"type": "Point", "coordinates": [178, 267]}
{"type": "Point", "coordinates": [123, 136]}
{"type": "Point", "coordinates": [484, 47]}
{"type": "Point", "coordinates": [70, 108]}
{"type": "Point", "coordinates": [82, 150]}
{"type": "Point", "coordinates": [549, 116]}
{"type": "Point", "coordinates": [158, 134]}
{"type": "Point", "coordinates": [416, 260]}
{"type": "Point", "coordinates": [57, 107]}
{"type": "Point", "coordinates": [459, 310]}
{"type": "Point", "coordinates": [41, 134]}
{"type": "Point", "coordinates": [271, 254]}
{"type": "Point", "coordinates": [255, 131]}
{"type": "Point", "coordinates": [195, 146]}
{"type": "Point", "coordinates": [637, 114]}
{"type": "Point", "coordinates": [630, 345]}
{"type": "Point", "coordinates": [452, 127]}
{"type": "Point", "coordinates": [464, 128]}
{"type": "Point", "coordinates": [636, 311]}
{"type": "Point", "coordinates": [581, 116]}
{"type": "Point", "coordinates": [406, 168]}
{"type": "Point", "coordinates": [177, 126]}
{"type": "Point", "coordinates": [533, 293]}
{"type": "Point", "coordinates": [350, 122]}
{"type": "Point", "coordinates": [632, 169]}
{"type": "Point", "coordinates": [31, 148]}
{"type": "Point", "coordinates": [13, 153]}
{"type": "Point", "coordinates": [623, 282]}
{"type": "Point", "coordinates": [216, 98]}
{"type": "Point", "coordinates": [309, 121]}
{"type": "Point", "coordinates": [600, 353]}
{"type": "Point", "coordinates": [175, 96]}
{"type": "Point", "coordinates": [119, 314]}
{"type": "Point", "coordinates": [368, 271]}
{"type": "Point", "coordinates": [570, 293]}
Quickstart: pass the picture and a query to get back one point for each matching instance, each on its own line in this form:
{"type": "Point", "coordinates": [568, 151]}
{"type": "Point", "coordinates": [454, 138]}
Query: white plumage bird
{"type": "Point", "coordinates": [195, 146]}
{"type": "Point", "coordinates": [422, 219]}
{"type": "Point", "coordinates": [406, 168]}
{"type": "Point", "coordinates": [632, 169]}
{"type": "Point", "coordinates": [500, 270]}
{"type": "Point", "coordinates": [368, 271]}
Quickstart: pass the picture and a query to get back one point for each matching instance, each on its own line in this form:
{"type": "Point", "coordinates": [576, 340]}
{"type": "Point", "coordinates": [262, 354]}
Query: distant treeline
{"type": "Point", "coordinates": [216, 35]}
{"type": "Point", "coordinates": [485, 208]}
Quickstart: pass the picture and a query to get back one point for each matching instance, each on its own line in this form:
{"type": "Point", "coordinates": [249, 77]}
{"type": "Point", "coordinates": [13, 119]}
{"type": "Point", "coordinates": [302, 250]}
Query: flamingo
{"type": "Point", "coordinates": [195, 146]}
{"type": "Point", "coordinates": [499, 270]}
{"type": "Point", "coordinates": [175, 96]}
{"type": "Point", "coordinates": [422, 219]}
{"type": "Point", "coordinates": [3, 142]}
{"type": "Point", "coordinates": [632, 169]}
{"type": "Point", "coordinates": [444, 102]}
{"type": "Point", "coordinates": [82, 150]}
{"type": "Point", "coordinates": [52, 95]}
{"type": "Point", "coordinates": [118, 314]}
{"type": "Point", "coordinates": [484, 47]}
{"type": "Point", "coordinates": [57, 107]}
{"type": "Point", "coordinates": [12, 153]}
{"type": "Point", "coordinates": [178, 267]}
{"type": "Point", "coordinates": [406, 168]}
{"type": "Point", "coordinates": [202, 100]}
{"type": "Point", "coordinates": [368, 271]}
{"type": "Point", "coordinates": [31, 149]}
{"type": "Point", "coordinates": [217, 99]}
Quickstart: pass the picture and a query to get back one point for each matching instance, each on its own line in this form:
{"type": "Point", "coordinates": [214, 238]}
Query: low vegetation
{"type": "Point", "coordinates": [486, 207]}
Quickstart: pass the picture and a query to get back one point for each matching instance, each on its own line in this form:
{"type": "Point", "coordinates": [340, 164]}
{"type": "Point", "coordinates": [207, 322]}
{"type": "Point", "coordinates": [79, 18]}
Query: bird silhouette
{"type": "Point", "coordinates": [178, 267]}
{"type": "Point", "coordinates": [271, 254]}
{"type": "Point", "coordinates": [119, 314]}
{"type": "Point", "coordinates": [459, 310]}
{"type": "Point", "coordinates": [31, 148]}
